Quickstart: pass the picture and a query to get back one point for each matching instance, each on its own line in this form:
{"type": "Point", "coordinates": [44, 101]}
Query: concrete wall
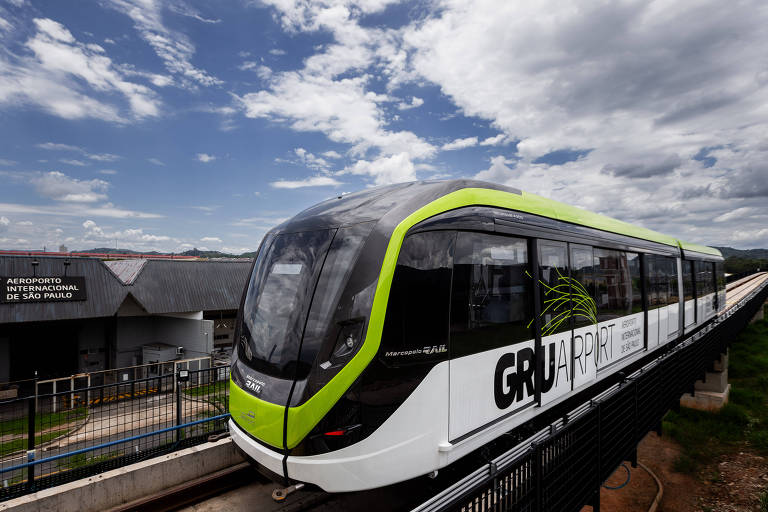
{"type": "Point", "coordinates": [124, 485]}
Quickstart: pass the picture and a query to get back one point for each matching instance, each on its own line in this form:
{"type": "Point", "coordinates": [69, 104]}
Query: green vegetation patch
{"type": "Point", "coordinates": [743, 422]}
{"type": "Point", "coordinates": [44, 421]}
{"type": "Point", "coordinates": [19, 444]}
{"type": "Point", "coordinates": [218, 388]}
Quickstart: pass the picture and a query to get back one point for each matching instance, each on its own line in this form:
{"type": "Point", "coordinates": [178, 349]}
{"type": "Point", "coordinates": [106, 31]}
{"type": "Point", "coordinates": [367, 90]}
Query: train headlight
{"type": "Point", "coordinates": [347, 340]}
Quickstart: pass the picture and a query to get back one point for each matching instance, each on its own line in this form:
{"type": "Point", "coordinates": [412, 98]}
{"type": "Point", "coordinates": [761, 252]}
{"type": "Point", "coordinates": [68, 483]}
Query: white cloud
{"type": "Point", "coordinates": [173, 48]}
{"type": "Point", "coordinates": [736, 214]}
{"type": "Point", "coordinates": [314, 181]}
{"type": "Point", "coordinates": [460, 144]}
{"type": "Point", "coordinates": [69, 161]}
{"type": "Point", "coordinates": [6, 163]}
{"type": "Point", "coordinates": [331, 154]}
{"type": "Point", "coordinates": [495, 140]}
{"type": "Point", "coordinates": [341, 109]}
{"type": "Point", "coordinates": [53, 146]}
{"type": "Point", "coordinates": [334, 93]}
{"type": "Point", "coordinates": [498, 171]}
{"type": "Point", "coordinates": [60, 187]}
{"type": "Point", "coordinates": [77, 210]}
{"type": "Point", "coordinates": [415, 102]}
{"type": "Point", "coordinates": [312, 161]}
{"type": "Point", "coordinates": [205, 158]}
{"type": "Point", "coordinates": [4, 223]}
{"type": "Point", "coordinates": [264, 222]}
{"type": "Point", "coordinates": [262, 71]}
{"type": "Point", "coordinates": [276, 51]}
{"type": "Point", "coordinates": [65, 77]}
{"type": "Point", "coordinates": [211, 239]}
{"type": "Point", "coordinates": [155, 161]}
{"type": "Point", "coordinates": [100, 157]}
{"type": "Point", "coordinates": [632, 91]}
{"type": "Point", "coordinates": [94, 233]}
{"type": "Point", "coordinates": [390, 169]}
{"type": "Point", "coordinates": [108, 172]}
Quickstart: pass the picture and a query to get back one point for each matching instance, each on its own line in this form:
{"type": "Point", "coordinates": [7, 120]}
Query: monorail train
{"type": "Point", "coordinates": [387, 333]}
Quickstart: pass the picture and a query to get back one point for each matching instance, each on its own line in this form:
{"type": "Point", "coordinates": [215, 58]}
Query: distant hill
{"type": "Point", "coordinates": [752, 254]}
{"type": "Point", "coordinates": [109, 250]}
{"type": "Point", "coordinates": [738, 261]}
{"type": "Point", "coordinates": [192, 252]}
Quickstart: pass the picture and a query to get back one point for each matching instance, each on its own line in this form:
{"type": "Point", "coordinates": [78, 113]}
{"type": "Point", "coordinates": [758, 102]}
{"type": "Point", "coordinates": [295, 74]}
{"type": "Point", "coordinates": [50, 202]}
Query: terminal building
{"type": "Point", "coordinates": [61, 316]}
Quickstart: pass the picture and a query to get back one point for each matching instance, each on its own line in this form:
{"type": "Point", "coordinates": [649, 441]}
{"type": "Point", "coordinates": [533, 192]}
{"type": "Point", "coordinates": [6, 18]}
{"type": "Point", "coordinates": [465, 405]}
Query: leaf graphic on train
{"type": "Point", "coordinates": [567, 290]}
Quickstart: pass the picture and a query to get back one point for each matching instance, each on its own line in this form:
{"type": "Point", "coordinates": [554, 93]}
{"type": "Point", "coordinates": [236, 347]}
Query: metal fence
{"type": "Point", "coordinates": [28, 387]}
{"type": "Point", "coordinates": [50, 439]}
{"type": "Point", "coordinates": [562, 467]}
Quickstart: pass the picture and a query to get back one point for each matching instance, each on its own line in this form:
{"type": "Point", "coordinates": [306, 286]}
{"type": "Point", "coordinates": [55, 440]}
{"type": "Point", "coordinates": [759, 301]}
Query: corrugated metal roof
{"type": "Point", "coordinates": [182, 286]}
{"type": "Point", "coordinates": [159, 286]}
{"type": "Point", "coordinates": [126, 270]}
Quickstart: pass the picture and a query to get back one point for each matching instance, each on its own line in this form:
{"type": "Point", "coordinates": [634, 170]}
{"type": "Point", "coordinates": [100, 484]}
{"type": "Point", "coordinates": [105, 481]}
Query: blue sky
{"type": "Point", "coordinates": [170, 125]}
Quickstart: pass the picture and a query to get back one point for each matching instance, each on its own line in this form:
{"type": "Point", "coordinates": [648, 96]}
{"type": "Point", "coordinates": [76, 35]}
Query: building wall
{"type": "Point", "coordinates": [5, 359]}
{"type": "Point", "coordinates": [92, 345]}
{"type": "Point", "coordinates": [132, 333]}
{"type": "Point", "coordinates": [196, 336]}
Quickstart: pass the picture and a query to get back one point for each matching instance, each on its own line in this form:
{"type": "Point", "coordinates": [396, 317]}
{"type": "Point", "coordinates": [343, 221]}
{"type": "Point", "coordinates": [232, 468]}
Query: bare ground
{"type": "Point", "coordinates": [734, 483]}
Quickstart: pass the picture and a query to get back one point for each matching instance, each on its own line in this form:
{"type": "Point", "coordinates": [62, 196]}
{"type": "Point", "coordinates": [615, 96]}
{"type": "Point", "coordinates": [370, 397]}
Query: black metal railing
{"type": "Point", "coordinates": [562, 468]}
{"type": "Point", "coordinates": [50, 439]}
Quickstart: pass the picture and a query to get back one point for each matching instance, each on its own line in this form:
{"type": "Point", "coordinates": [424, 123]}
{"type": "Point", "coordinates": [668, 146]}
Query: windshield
{"type": "Point", "coordinates": [279, 294]}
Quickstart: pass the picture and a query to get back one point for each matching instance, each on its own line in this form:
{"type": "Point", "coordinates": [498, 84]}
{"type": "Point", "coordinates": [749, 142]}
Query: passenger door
{"type": "Point", "coordinates": [491, 333]}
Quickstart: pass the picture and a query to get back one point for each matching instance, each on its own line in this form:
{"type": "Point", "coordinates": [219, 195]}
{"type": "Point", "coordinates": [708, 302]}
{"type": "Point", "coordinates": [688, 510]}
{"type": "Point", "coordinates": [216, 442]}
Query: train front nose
{"type": "Point", "coordinates": [299, 326]}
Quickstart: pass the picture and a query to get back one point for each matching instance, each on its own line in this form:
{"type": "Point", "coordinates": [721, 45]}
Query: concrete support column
{"type": "Point", "coordinates": [710, 394]}
{"type": "Point", "coordinates": [760, 315]}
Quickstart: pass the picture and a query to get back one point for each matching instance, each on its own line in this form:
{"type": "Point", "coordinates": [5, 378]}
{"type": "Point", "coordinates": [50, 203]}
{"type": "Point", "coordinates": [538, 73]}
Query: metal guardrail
{"type": "Point", "coordinates": [50, 439]}
{"type": "Point", "coordinates": [562, 467]}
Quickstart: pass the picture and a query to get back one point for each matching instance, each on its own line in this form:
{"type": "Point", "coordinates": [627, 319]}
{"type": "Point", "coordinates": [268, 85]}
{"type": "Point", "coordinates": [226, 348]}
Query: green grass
{"type": "Point", "coordinates": [82, 459]}
{"type": "Point", "coordinates": [42, 421]}
{"type": "Point", "coordinates": [742, 423]}
{"type": "Point", "coordinates": [21, 444]}
{"type": "Point", "coordinates": [219, 388]}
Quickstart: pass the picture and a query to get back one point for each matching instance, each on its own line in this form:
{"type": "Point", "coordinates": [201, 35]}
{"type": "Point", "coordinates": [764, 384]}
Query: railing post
{"type": "Point", "coordinates": [537, 475]}
{"type": "Point", "coordinates": [31, 409]}
{"type": "Point", "coordinates": [177, 387]}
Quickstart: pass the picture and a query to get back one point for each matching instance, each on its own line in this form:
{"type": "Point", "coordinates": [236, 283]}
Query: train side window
{"type": "Point", "coordinates": [671, 281]}
{"type": "Point", "coordinates": [582, 286]}
{"type": "Point", "coordinates": [704, 282]}
{"type": "Point", "coordinates": [491, 304]}
{"type": "Point", "coordinates": [617, 283]}
{"type": "Point", "coordinates": [416, 323]}
{"type": "Point", "coordinates": [687, 280]}
{"type": "Point", "coordinates": [720, 282]}
{"type": "Point", "coordinates": [555, 294]}
{"type": "Point", "coordinates": [657, 281]}
{"type": "Point", "coordinates": [633, 266]}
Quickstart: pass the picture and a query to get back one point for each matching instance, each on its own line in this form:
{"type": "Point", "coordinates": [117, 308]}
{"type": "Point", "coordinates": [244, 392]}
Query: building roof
{"type": "Point", "coordinates": [159, 286]}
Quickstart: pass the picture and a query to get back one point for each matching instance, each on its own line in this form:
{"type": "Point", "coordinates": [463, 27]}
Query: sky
{"type": "Point", "coordinates": [152, 125]}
